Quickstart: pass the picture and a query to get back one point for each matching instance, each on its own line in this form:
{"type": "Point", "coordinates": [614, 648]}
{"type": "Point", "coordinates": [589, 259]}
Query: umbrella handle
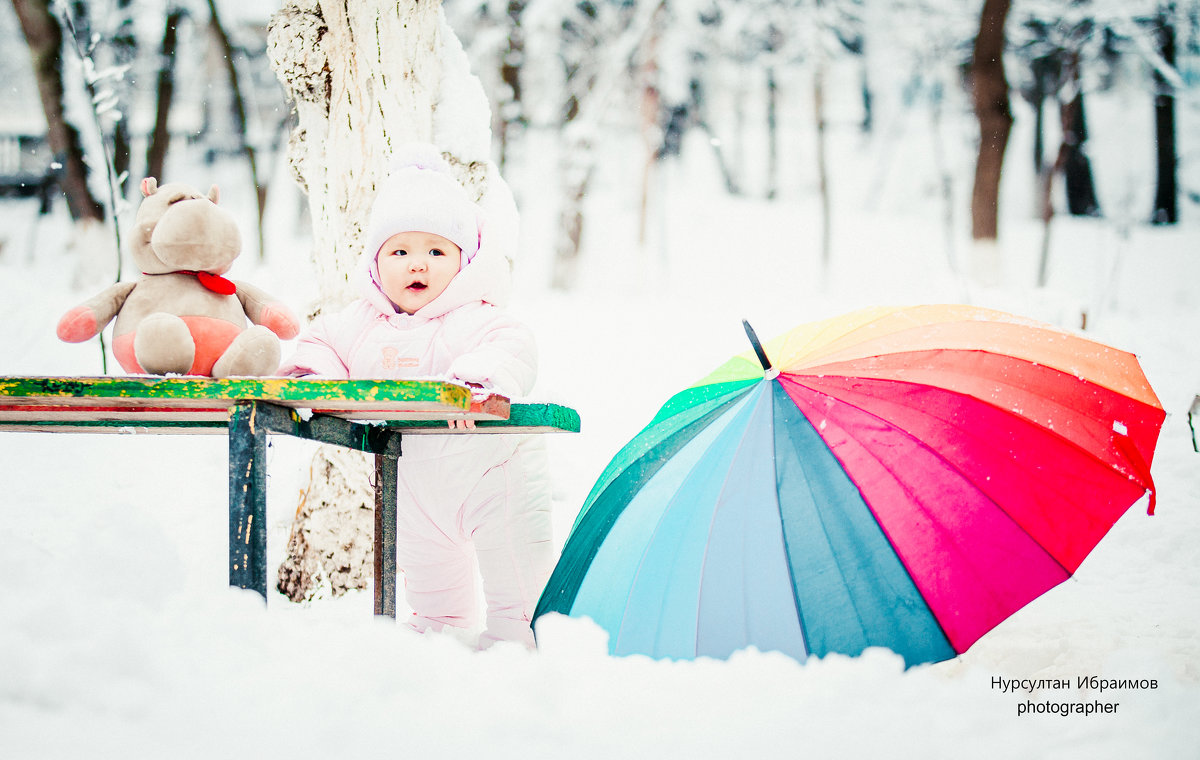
{"type": "Point", "coordinates": [758, 349]}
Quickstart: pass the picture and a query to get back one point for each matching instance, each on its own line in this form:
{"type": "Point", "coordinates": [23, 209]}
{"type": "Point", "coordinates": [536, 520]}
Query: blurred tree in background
{"type": "Point", "coordinates": [44, 38]}
{"type": "Point", "coordinates": [106, 74]}
{"type": "Point", "coordinates": [759, 86]}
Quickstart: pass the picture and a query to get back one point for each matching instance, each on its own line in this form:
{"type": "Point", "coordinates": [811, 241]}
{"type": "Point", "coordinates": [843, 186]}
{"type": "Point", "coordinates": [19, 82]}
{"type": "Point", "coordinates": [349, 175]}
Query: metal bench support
{"type": "Point", "coordinates": [385, 535]}
{"type": "Point", "coordinates": [250, 422]}
{"type": "Point", "coordinates": [247, 499]}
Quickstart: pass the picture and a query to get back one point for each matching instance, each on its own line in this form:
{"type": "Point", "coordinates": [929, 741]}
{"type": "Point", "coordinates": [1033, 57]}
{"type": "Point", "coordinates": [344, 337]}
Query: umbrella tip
{"type": "Point", "coordinates": [758, 349]}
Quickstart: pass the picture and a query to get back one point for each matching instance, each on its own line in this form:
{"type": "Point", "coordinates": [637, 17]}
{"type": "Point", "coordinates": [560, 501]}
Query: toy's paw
{"type": "Point", "coordinates": [280, 320]}
{"type": "Point", "coordinates": [163, 344]}
{"type": "Point", "coordinates": [254, 353]}
{"type": "Point", "coordinates": [77, 325]}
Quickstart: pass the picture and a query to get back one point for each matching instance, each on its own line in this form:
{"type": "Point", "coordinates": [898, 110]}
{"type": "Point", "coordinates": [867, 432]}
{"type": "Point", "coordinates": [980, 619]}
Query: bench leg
{"type": "Point", "coordinates": [385, 535]}
{"type": "Point", "coordinates": [247, 499]}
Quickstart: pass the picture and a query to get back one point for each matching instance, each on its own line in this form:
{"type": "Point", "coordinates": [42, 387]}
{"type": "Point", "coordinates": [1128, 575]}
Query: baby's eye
{"type": "Point", "coordinates": [437, 252]}
{"type": "Point", "coordinates": [399, 252]}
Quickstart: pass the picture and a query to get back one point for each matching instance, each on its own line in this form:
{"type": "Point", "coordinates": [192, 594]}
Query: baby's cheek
{"type": "Point", "coordinates": [389, 286]}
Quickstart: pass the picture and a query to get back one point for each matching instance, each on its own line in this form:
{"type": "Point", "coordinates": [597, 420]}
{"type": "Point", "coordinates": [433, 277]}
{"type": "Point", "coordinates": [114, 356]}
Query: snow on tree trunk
{"type": "Point", "coordinates": [330, 548]}
{"type": "Point", "coordinates": [366, 77]}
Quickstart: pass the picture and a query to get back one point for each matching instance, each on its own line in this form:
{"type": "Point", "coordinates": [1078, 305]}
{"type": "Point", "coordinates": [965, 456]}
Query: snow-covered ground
{"type": "Point", "coordinates": [120, 638]}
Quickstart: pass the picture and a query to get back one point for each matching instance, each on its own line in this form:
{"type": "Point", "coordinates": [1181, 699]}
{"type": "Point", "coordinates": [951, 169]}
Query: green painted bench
{"type": "Point", "coordinates": [372, 416]}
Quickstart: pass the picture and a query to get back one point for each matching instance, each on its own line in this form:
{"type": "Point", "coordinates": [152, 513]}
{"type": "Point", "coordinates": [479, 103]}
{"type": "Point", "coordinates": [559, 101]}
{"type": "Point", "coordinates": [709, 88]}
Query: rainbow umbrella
{"type": "Point", "coordinates": [896, 477]}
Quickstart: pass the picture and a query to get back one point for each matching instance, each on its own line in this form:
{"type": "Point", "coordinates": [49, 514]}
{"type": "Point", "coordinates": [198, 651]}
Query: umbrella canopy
{"type": "Point", "coordinates": [896, 477]}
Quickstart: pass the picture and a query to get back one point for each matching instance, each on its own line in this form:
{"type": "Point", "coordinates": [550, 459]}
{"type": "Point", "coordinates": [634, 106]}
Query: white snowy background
{"type": "Point", "coordinates": [120, 638]}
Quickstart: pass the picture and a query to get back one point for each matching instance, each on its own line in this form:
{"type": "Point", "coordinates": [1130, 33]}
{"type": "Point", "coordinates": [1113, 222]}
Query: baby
{"type": "Point", "coordinates": [432, 286]}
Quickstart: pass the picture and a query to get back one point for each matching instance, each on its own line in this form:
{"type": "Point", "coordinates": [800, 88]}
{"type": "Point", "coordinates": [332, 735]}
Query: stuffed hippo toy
{"type": "Point", "coordinates": [181, 316]}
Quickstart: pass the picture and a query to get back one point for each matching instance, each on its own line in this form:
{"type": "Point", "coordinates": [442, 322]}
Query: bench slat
{"type": "Point", "coordinates": [149, 390]}
{"type": "Point", "coordinates": [153, 404]}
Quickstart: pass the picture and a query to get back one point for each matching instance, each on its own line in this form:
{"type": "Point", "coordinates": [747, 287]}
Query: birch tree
{"type": "Point", "coordinates": [366, 77]}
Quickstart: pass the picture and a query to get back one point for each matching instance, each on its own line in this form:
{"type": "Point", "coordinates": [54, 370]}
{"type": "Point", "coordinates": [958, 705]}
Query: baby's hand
{"type": "Point", "coordinates": [461, 424]}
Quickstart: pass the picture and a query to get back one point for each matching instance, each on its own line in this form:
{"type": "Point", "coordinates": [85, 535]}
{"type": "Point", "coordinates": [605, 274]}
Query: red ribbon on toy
{"type": "Point", "coordinates": [214, 282]}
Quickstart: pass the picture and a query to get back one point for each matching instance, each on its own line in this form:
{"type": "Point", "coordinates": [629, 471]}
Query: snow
{"type": "Point", "coordinates": [120, 638]}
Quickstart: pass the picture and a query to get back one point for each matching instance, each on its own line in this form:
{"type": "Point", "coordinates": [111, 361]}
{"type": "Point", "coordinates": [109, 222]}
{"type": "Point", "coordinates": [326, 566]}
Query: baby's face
{"type": "Point", "coordinates": [416, 267]}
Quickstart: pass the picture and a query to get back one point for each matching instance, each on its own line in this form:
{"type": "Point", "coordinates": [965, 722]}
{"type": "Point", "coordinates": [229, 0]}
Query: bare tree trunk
{"type": "Point", "coordinates": [239, 119]}
{"type": "Point", "coordinates": [740, 92]}
{"type": "Point", "coordinates": [1076, 168]}
{"type": "Point", "coordinates": [1073, 164]}
{"type": "Point", "coordinates": [1046, 207]}
{"type": "Point", "coordinates": [947, 177]}
{"type": "Point", "coordinates": [993, 110]}
{"type": "Point", "coordinates": [731, 183]}
{"type": "Point", "coordinates": [772, 134]}
{"type": "Point", "coordinates": [511, 113]}
{"type": "Point", "coordinates": [160, 138]}
{"type": "Point", "coordinates": [44, 37]}
{"type": "Point", "coordinates": [1166, 196]}
{"type": "Point", "coordinates": [650, 103]}
{"type": "Point", "coordinates": [1044, 71]}
{"type": "Point", "coordinates": [867, 125]}
{"type": "Point", "coordinates": [125, 52]}
{"type": "Point", "coordinates": [364, 77]}
{"type": "Point", "coordinates": [595, 88]}
{"type": "Point", "coordinates": [699, 107]}
{"type": "Point", "coordinates": [823, 170]}
{"type": "Point", "coordinates": [651, 130]}
{"type": "Point", "coordinates": [578, 168]}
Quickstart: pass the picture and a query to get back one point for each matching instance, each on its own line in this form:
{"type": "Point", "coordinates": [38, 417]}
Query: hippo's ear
{"type": "Point", "coordinates": [213, 193]}
{"type": "Point", "coordinates": [149, 186]}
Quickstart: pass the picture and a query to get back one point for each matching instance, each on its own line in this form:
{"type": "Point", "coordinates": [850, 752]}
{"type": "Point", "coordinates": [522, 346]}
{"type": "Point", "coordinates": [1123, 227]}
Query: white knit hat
{"type": "Point", "coordinates": [420, 194]}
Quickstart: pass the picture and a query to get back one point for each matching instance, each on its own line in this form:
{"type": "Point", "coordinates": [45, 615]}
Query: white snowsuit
{"type": "Point", "coordinates": [462, 499]}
